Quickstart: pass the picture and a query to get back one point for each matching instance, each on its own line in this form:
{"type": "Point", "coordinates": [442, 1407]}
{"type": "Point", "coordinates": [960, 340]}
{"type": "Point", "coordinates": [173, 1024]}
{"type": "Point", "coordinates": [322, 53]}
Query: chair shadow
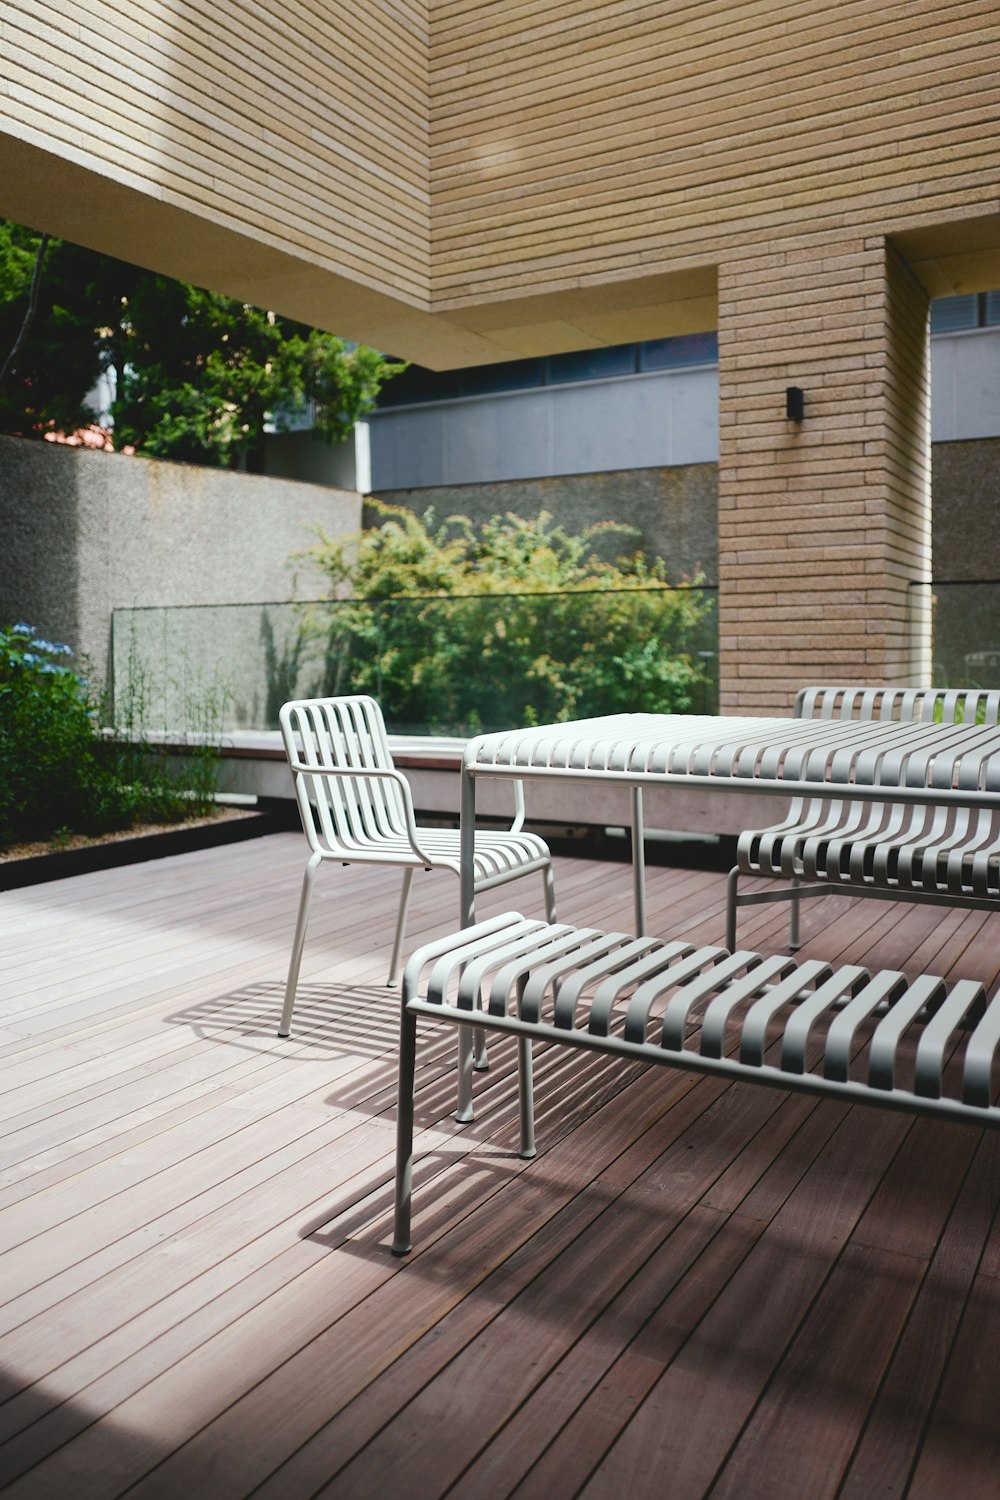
{"type": "Point", "coordinates": [355, 1020]}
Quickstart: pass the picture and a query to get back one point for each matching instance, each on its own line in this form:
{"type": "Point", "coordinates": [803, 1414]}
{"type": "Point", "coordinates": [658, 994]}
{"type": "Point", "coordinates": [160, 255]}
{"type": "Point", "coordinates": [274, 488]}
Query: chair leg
{"type": "Point", "coordinates": [550, 893]}
{"type": "Point", "coordinates": [404, 1132]}
{"type": "Point", "coordinates": [297, 943]}
{"type": "Point", "coordinates": [397, 942]}
{"type": "Point", "coordinates": [731, 884]}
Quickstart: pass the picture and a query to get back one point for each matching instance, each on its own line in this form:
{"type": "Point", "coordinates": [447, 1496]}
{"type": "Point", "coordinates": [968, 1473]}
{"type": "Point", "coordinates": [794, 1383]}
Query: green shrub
{"type": "Point", "coordinates": [59, 771]}
{"type": "Point", "coordinates": [457, 628]}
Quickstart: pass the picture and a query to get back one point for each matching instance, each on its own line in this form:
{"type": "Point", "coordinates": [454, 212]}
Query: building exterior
{"type": "Point", "coordinates": [464, 183]}
{"type": "Point", "coordinates": [631, 433]}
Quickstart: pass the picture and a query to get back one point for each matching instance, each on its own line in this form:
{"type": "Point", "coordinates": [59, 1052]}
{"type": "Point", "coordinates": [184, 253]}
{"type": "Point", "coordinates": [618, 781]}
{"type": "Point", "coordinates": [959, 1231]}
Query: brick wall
{"type": "Point", "coordinates": [821, 524]}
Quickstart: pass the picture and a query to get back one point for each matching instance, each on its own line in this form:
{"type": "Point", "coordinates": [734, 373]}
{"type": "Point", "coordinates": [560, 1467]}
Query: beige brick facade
{"type": "Point", "coordinates": [461, 181]}
{"type": "Point", "coordinates": [823, 523]}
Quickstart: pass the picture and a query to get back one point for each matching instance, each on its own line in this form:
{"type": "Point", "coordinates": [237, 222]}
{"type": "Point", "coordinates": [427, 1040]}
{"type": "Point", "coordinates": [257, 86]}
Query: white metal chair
{"type": "Point", "coordinates": [357, 808]}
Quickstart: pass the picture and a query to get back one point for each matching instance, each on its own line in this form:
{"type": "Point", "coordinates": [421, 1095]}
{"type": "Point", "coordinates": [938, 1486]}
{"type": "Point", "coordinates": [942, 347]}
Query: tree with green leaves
{"type": "Point", "coordinates": [457, 627]}
{"type": "Point", "coordinates": [197, 376]}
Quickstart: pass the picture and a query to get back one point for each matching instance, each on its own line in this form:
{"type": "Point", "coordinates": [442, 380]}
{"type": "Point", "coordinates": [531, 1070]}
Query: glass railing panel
{"type": "Point", "coordinates": [439, 666]}
{"type": "Point", "coordinates": [964, 621]}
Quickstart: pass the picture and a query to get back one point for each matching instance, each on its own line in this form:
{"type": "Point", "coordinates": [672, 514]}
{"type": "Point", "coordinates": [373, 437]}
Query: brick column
{"type": "Point", "coordinates": [823, 524]}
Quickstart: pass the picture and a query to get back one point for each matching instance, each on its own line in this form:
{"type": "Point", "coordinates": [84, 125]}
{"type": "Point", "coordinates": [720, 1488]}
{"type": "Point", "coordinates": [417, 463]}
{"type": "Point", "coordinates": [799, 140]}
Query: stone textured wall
{"type": "Point", "coordinates": [85, 533]}
{"type": "Point", "coordinates": [966, 489]}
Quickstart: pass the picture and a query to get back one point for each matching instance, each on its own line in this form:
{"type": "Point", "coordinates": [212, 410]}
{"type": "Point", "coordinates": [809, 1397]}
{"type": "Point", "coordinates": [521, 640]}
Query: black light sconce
{"type": "Point", "coordinates": [795, 403]}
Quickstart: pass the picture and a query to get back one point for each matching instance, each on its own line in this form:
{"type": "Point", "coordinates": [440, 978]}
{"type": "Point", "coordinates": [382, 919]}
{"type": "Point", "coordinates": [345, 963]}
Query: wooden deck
{"type": "Point", "coordinates": [695, 1289]}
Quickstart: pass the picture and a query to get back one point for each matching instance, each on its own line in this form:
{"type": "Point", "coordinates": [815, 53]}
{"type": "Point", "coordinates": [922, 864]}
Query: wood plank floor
{"type": "Point", "coordinates": [695, 1289]}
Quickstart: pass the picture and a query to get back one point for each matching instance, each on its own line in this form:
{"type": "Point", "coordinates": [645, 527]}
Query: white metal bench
{"type": "Point", "coordinates": [861, 1037]}
{"type": "Point", "coordinates": [937, 853]}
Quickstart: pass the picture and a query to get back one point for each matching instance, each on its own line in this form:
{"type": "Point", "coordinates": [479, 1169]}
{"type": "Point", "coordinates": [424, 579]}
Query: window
{"type": "Point", "coordinates": [611, 361]}
{"type": "Point", "coordinates": [671, 354]}
{"type": "Point", "coordinates": [592, 364]}
{"type": "Point", "coordinates": [958, 314]}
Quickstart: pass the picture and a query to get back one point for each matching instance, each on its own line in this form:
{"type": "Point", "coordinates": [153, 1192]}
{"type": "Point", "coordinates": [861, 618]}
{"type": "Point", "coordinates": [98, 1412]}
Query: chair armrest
{"type": "Point", "coordinates": [372, 773]}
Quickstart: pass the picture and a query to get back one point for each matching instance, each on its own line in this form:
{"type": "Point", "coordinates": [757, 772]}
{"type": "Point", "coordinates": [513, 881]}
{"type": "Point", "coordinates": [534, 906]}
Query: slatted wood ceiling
{"type": "Point", "coordinates": [305, 125]}
{"type": "Point", "coordinates": [579, 140]}
{"type": "Point", "coordinates": [475, 149]}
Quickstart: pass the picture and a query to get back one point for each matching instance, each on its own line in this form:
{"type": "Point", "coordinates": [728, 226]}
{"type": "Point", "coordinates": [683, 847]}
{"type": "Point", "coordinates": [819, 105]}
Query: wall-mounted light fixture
{"type": "Point", "coordinates": [795, 403]}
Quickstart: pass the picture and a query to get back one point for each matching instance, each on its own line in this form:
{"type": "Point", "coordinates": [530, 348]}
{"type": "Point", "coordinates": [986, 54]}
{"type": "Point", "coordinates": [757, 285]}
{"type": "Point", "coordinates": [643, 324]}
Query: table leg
{"type": "Point", "coordinates": [467, 903]}
{"type": "Point", "coordinates": [638, 862]}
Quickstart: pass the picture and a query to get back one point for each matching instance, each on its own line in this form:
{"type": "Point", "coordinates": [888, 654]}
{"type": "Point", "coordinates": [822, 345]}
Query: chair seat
{"type": "Point", "coordinates": [496, 853]}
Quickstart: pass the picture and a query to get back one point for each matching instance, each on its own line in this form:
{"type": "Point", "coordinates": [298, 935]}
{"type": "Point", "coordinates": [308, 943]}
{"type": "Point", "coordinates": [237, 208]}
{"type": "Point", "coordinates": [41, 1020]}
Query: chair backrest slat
{"type": "Point", "coordinates": [342, 813]}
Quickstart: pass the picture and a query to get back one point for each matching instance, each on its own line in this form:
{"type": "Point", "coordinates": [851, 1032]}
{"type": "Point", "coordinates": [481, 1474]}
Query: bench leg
{"type": "Point", "coordinates": [526, 1098]}
{"type": "Point", "coordinates": [731, 884]}
{"type": "Point", "coordinates": [466, 1064]}
{"type": "Point", "coordinates": [404, 1132]}
{"type": "Point", "coordinates": [793, 920]}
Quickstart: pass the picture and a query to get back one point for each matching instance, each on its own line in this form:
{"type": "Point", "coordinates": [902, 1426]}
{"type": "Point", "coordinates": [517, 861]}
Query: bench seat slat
{"type": "Point", "coordinates": [736, 1016]}
{"type": "Point", "coordinates": [940, 1031]}
{"type": "Point", "coordinates": [980, 1056]}
{"type": "Point", "coordinates": [778, 976]}
{"type": "Point", "coordinates": [924, 991]}
{"type": "Point", "coordinates": [611, 990]}
{"type": "Point", "coordinates": [833, 993]}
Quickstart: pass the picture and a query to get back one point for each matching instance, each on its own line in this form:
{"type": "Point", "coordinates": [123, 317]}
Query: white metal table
{"type": "Point", "coordinates": [856, 759]}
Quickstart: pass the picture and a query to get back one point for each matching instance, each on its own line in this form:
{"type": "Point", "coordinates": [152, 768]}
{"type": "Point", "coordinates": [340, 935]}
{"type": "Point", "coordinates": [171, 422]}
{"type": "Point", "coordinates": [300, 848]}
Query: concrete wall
{"type": "Point", "coordinates": [306, 457]}
{"type": "Point", "coordinates": [85, 533]}
{"type": "Point", "coordinates": [965, 385]}
{"type": "Point", "coordinates": [966, 505]}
